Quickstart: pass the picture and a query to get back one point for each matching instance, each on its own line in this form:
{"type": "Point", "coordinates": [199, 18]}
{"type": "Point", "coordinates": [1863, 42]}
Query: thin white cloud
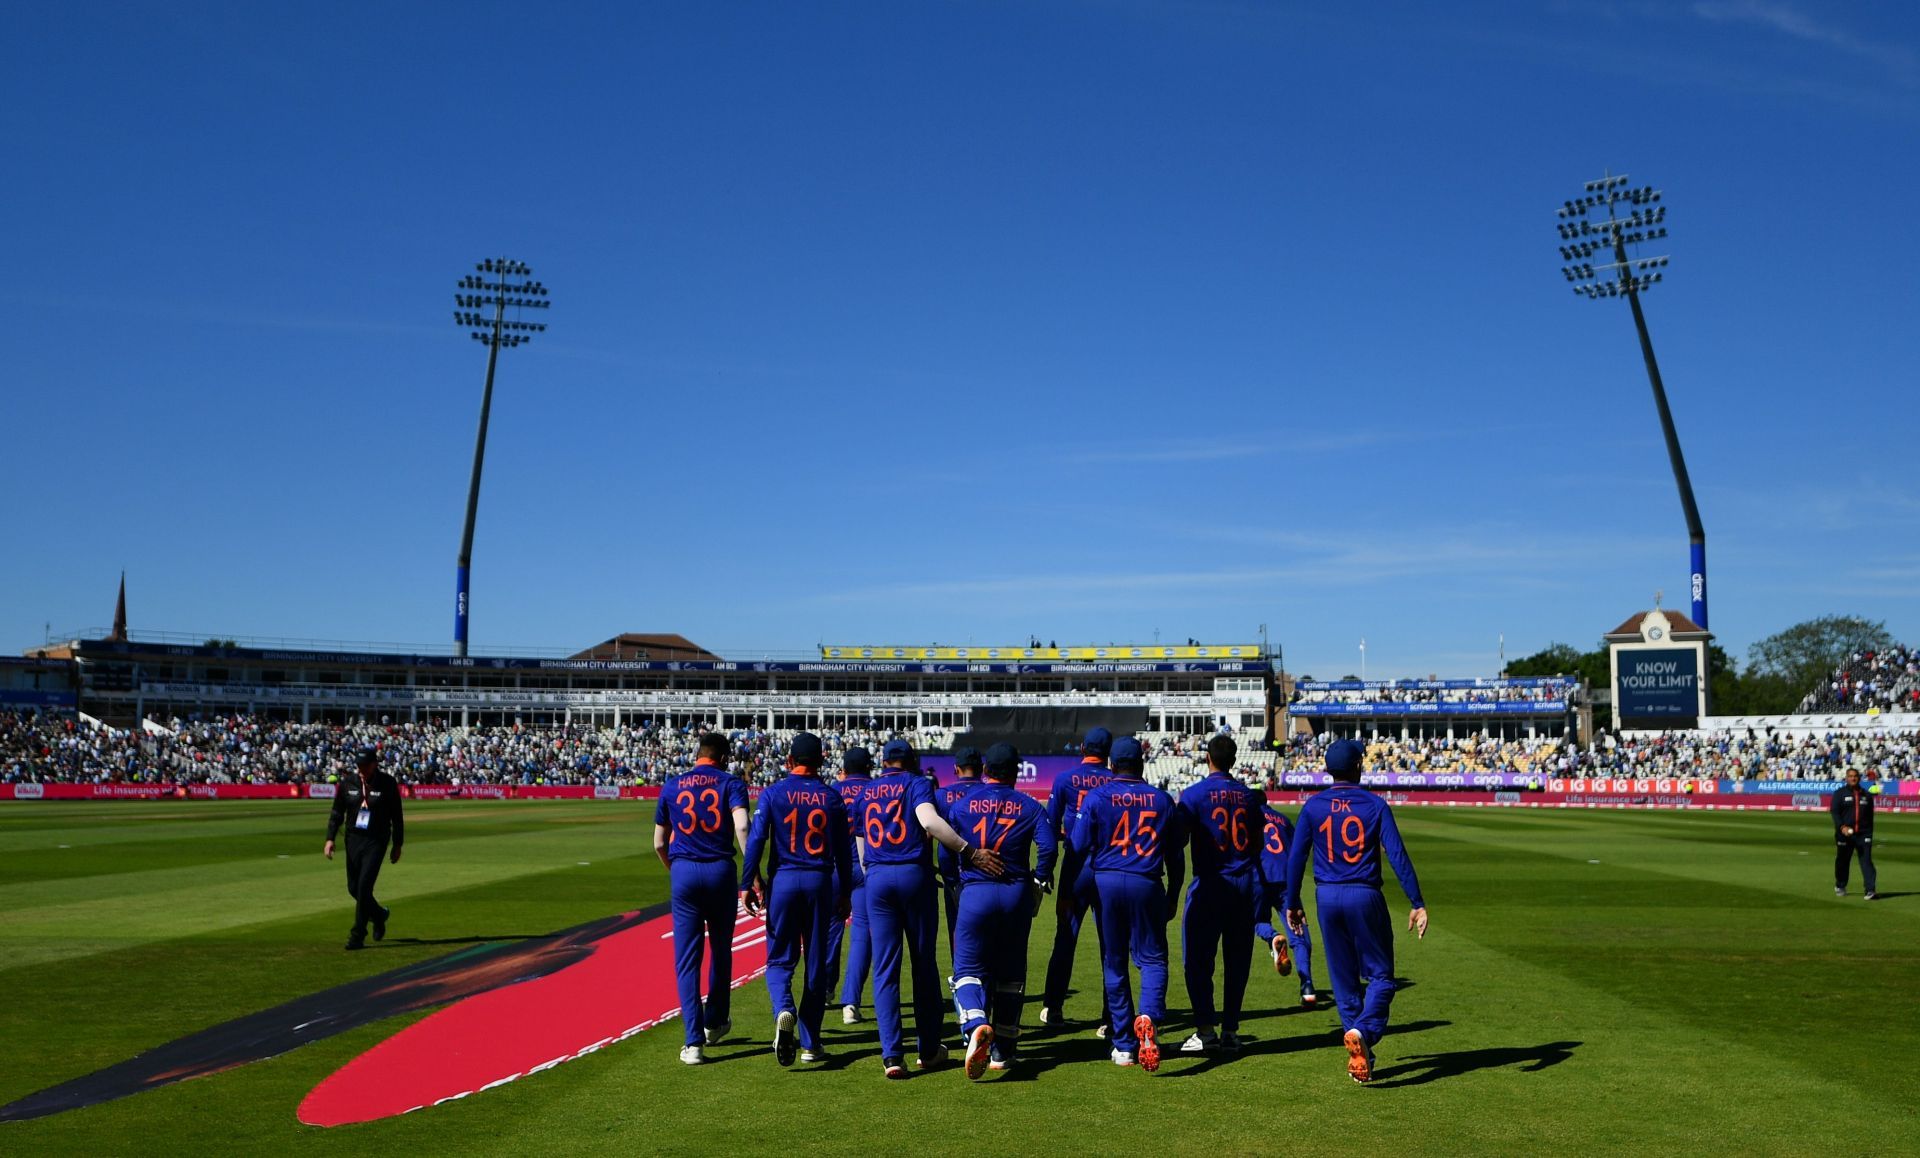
{"type": "Point", "coordinates": [1789, 20]}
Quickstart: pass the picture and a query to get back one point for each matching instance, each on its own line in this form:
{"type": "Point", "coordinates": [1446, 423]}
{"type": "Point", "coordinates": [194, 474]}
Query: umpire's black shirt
{"type": "Point", "coordinates": [1853, 808]}
{"type": "Point", "coordinates": [382, 795]}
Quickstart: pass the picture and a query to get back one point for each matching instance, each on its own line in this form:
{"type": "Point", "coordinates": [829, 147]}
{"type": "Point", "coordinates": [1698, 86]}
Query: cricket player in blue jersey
{"type": "Point", "coordinates": [1222, 819]}
{"type": "Point", "coordinates": [1277, 838]}
{"type": "Point", "coordinates": [897, 815]}
{"type": "Point", "coordinates": [812, 849]}
{"type": "Point", "coordinates": [1074, 895]}
{"type": "Point", "coordinates": [1344, 829]}
{"type": "Point", "coordinates": [966, 772]}
{"type": "Point", "coordinates": [997, 910]}
{"type": "Point", "coordinates": [1127, 833]}
{"type": "Point", "coordinates": [854, 769]}
{"type": "Point", "coordinates": [701, 819]}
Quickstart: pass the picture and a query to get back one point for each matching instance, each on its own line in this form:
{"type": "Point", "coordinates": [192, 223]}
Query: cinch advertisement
{"type": "Point", "coordinates": [1036, 772]}
{"type": "Point", "coordinates": [1658, 682]}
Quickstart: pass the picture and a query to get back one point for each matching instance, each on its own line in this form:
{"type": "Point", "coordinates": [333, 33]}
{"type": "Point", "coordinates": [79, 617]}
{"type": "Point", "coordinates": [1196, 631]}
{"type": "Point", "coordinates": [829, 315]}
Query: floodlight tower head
{"type": "Point", "coordinates": [1585, 235]}
{"type": "Point", "coordinates": [490, 285]}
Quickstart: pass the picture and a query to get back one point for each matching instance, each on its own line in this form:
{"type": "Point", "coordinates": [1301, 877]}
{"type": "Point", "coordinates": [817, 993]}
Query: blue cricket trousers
{"type": "Point", "coordinates": [705, 896]}
{"type": "Point", "coordinates": [1272, 901]}
{"type": "Point", "coordinates": [1219, 915]}
{"type": "Point", "coordinates": [990, 958]}
{"type": "Point", "coordinates": [800, 913]}
{"type": "Point", "coordinates": [1357, 938]}
{"type": "Point", "coordinates": [1133, 920]}
{"type": "Point", "coordinates": [901, 906]}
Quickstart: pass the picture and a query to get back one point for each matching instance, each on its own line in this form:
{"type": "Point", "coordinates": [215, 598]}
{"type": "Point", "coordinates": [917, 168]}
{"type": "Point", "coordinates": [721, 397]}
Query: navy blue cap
{"type": "Point", "coordinates": [1003, 761]}
{"type": "Point", "coordinates": [368, 754]}
{"type": "Point", "coordinates": [968, 758]}
{"type": "Point", "coordinates": [898, 750]}
{"type": "Point", "coordinates": [1097, 743]}
{"type": "Point", "coordinates": [805, 749]}
{"type": "Point", "coordinates": [1345, 756]}
{"type": "Point", "coordinates": [1127, 748]}
{"type": "Point", "coordinates": [857, 762]}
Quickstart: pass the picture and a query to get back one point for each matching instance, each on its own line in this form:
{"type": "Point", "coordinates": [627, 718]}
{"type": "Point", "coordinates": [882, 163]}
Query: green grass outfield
{"type": "Point", "coordinates": [1690, 979]}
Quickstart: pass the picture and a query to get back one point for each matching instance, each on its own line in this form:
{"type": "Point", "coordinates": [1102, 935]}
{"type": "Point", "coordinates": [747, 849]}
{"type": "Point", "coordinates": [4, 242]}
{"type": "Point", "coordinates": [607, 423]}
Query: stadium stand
{"type": "Point", "coordinates": [1884, 681]}
{"type": "Point", "coordinates": [49, 747]}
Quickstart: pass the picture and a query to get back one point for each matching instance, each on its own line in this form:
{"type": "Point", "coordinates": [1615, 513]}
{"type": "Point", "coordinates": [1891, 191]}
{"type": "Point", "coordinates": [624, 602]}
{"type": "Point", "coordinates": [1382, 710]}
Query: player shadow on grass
{"type": "Point", "coordinates": [1424, 1068]}
{"type": "Point", "coordinates": [1300, 1043]}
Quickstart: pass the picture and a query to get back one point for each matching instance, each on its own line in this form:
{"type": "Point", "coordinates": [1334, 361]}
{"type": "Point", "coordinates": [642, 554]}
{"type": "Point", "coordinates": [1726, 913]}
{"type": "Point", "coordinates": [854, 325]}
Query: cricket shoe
{"type": "Point", "coordinates": [1001, 1061]}
{"type": "Point", "coordinates": [1122, 1058]}
{"type": "Point", "coordinates": [784, 1043]}
{"type": "Point", "coordinates": [1100, 1031]}
{"type": "Point", "coordinates": [718, 1033]}
{"type": "Point", "coordinates": [1873, 896]}
{"type": "Point", "coordinates": [932, 1059]}
{"type": "Point", "coordinates": [1282, 960]}
{"type": "Point", "coordinates": [1051, 1016]}
{"type": "Point", "coordinates": [1230, 1042]}
{"type": "Point", "coordinates": [1149, 1050]}
{"type": "Point", "coordinates": [1202, 1041]}
{"type": "Point", "coordinates": [1359, 1057]}
{"type": "Point", "coordinates": [1838, 891]}
{"type": "Point", "coordinates": [849, 1015]}
{"type": "Point", "coordinates": [1308, 997]}
{"type": "Point", "coordinates": [692, 1055]}
{"type": "Point", "coordinates": [355, 944]}
{"type": "Point", "coordinates": [896, 1068]}
{"type": "Point", "coordinates": [979, 1051]}
{"type": "Point", "coordinates": [817, 1054]}
{"type": "Point", "coordinates": [380, 924]}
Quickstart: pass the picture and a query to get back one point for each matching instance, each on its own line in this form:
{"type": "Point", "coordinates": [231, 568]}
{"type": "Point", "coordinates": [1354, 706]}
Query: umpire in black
{"type": "Point", "coordinates": [368, 803]}
{"type": "Point", "coordinates": [1853, 833]}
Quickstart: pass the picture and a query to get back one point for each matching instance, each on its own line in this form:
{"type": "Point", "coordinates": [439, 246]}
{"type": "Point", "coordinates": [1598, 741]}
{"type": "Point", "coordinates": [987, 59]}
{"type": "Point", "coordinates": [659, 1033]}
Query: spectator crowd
{"type": "Point", "coordinates": [49, 747]}
{"type": "Point", "coordinates": [1884, 681]}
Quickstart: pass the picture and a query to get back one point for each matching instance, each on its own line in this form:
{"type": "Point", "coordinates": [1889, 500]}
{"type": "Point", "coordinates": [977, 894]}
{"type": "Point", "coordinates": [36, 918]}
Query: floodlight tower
{"type": "Point", "coordinates": [490, 285]}
{"type": "Point", "coordinates": [1583, 235]}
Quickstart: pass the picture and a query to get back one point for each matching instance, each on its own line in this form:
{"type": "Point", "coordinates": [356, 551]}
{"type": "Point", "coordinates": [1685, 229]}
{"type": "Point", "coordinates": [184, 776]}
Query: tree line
{"type": "Point", "coordinates": [1780, 669]}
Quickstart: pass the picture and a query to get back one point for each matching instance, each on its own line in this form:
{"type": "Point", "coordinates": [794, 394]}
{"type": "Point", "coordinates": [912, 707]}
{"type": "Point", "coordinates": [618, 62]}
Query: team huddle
{"type": "Point", "coordinates": [853, 860]}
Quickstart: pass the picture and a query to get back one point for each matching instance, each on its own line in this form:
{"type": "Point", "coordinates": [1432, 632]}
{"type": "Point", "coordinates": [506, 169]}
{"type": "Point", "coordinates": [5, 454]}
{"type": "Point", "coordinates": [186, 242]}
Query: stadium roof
{"type": "Point", "coordinates": [648, 645]}
{"type": "Point", "coordinates": [1680, 625]}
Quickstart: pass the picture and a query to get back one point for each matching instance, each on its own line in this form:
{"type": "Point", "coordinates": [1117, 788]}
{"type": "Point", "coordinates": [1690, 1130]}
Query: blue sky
{"type": "Point", "coordinates": [956, 322]}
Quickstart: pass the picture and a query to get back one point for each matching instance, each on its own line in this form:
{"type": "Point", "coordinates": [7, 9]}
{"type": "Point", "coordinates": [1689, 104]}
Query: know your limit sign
{"type": "Point", "coordinates": [1658, 682]}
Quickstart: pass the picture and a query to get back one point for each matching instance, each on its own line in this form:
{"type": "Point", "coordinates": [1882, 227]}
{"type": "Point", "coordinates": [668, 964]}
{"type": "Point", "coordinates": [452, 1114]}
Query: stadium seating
{"type": "Point", "coordinates": [1884, 681]}
{"type": "Point", "coordinates": [246, 749]}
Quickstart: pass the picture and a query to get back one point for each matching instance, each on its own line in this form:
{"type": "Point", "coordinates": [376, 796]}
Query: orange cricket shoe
{"type": "Point", "coordinates": [1359, 1057]}
{"type": "Point", "coordinates": [1148, 1050]}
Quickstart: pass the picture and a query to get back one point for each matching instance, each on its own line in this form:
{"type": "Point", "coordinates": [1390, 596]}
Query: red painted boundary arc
{"type": "Point", "coordinates": [505, 1034]}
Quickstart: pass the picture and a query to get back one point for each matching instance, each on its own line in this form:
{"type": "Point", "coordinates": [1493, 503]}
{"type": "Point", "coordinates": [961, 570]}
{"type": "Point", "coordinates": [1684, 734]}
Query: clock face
{"type": "Point", "coordinates": [1656, 633]}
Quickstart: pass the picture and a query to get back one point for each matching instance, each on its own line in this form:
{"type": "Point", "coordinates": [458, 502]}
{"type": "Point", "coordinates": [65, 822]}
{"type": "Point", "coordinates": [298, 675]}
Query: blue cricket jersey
{"type": "Point", "coordinates": [946, 796]}
{"type": "Point", "coordinates": [697, 807]}
{"type": "Point", "coordinates": [1127, 825]}
{"type": "Point", "coordinates": [805, 822]}
{"type": "Point", "coordinates": [1222, 819]}
{"type": "Point", "coordinates": [887, 819]}
{"type": "Point", "coordinates": [851, 788]}
{"type": "Point", "coordinates": [1345, 828]}
{"type": "Point", "coordinates": [1276, 840]}
{"type": "Point", "coordinates": [1070, 792]}
{"type": "Point", "coordinates": [1011, 823]}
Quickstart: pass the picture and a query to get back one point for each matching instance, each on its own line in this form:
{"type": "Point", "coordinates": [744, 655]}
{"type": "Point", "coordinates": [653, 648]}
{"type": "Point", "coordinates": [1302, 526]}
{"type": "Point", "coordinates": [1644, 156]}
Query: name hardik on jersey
{"type": "Point", "coordinates": [697, 808]}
